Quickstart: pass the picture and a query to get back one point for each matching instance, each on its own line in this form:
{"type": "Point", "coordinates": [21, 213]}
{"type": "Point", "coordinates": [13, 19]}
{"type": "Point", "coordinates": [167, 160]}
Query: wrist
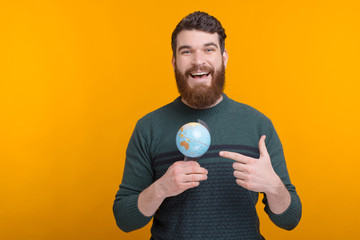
{"type": "Point", "coordinates": [276, 187]}
{"type": "Point", "coordinates": [150, 199]}
{"type": "Point", "coordinates": [278, 197]}
{"type": "Point", "coordinates": [160, 190]}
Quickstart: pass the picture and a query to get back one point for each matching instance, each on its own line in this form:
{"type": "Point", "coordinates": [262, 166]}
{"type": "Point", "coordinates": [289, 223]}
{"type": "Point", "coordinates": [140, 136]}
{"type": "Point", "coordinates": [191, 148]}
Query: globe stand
{"type": "Point", "coordinates": [190, 159]}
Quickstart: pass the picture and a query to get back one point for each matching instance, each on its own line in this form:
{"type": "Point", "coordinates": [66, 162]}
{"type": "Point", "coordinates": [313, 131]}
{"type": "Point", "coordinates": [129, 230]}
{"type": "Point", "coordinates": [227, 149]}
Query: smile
{"type": "Point", "coordinates": [199, 74]}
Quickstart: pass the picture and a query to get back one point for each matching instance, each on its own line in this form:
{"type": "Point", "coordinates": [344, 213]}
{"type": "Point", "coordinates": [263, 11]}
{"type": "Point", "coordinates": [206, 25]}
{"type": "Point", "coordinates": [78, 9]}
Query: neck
{"type": "Point", "coordinates": [213, 105]}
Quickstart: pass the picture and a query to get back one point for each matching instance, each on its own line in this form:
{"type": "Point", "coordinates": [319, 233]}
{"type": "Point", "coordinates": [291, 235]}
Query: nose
{"type": "Point", "coordinates": [198, 58]}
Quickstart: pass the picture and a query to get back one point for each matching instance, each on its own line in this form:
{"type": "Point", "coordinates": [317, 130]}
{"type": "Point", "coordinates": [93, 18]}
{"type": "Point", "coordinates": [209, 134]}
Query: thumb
{"type": "Point", "coordinates": [262, 147]}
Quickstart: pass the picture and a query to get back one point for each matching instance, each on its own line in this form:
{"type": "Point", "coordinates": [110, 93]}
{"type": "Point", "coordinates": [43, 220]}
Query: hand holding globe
{"type": "Point", "coordinates": [192, 140]}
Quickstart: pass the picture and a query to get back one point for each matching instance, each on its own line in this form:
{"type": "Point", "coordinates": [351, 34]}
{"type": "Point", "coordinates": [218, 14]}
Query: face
{"type": "Point", "coordinates": [199, 67]}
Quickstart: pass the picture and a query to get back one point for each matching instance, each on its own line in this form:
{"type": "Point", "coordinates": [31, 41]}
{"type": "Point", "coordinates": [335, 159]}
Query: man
{"type": "Point", "coordinates": [215, 196]}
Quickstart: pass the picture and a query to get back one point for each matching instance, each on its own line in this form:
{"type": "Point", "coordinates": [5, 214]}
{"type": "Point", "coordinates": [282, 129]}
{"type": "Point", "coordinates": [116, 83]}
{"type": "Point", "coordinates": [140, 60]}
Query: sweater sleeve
{"type": "Point", "coordinates": [290, 218]}
{"type": "Point", "coordinates": [138, 175]}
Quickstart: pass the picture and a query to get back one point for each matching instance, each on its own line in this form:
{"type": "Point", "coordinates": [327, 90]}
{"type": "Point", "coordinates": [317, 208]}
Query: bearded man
{"type": "Point", "coordinates": [215, 196]}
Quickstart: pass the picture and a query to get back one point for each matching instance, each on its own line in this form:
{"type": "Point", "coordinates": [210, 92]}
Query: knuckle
{"type": "Point", "coordinates": [177, 164]}
{"type": "Point", "coordinates": [176, 171]}
{"type": "Point", "coordinates": [192, 163]}
{"type": "Point", "coordinates": [195, 178]}
{"type": "Point", "coordinates": [177, 180]}
{"type": "Point", "coordinates": [236, 165]}
{"type": "Point", "coordinates": [194, 169]}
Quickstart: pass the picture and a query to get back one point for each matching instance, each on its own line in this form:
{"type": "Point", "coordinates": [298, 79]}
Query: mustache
{"type": "Point", "coordinates": [201, 69]}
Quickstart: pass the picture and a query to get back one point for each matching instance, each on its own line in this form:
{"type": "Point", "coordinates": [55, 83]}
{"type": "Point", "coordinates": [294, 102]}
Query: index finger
{"type": "Point", "coordinates": [234, 156]}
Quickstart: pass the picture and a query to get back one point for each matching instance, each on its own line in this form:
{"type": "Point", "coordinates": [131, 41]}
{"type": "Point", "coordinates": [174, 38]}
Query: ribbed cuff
{"type": "Point", "coordinates": [133, 219]}
{"type": "Point", "coordinates": [290, 218]}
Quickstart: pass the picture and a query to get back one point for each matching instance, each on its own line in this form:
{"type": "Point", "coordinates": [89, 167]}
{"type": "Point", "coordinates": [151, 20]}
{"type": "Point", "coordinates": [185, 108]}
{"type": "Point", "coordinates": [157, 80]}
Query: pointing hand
{"type": "Point", "coordinates": [254, 174]}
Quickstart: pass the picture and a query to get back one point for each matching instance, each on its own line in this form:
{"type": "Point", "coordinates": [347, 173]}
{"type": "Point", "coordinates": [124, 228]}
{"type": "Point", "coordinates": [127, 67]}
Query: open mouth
{"type": "Point", "coordinates": [199, 75]}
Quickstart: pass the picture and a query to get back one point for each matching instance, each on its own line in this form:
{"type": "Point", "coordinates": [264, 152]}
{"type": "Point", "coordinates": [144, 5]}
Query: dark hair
{"type": "Point", "coordinates": [200, 21]}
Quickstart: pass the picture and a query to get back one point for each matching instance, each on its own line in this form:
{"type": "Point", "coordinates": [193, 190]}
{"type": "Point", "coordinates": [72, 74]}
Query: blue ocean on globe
{"type": "Point", "coordinates": [193, 140]}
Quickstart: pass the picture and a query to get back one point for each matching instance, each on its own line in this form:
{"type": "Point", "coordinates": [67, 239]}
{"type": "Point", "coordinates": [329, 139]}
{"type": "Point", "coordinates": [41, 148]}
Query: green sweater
{"type": "Point", "coordinates": [218, 208]}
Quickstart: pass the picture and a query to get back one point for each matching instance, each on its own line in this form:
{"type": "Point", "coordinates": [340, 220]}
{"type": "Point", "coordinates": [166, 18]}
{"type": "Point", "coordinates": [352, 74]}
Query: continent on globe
{"type": "Point", "coordinates": [185, 145]}
{"type": "Point", "coordinates": [193, 140]}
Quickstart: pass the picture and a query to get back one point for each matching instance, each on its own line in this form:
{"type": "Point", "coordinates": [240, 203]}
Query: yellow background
{"type": "Point", "coordinates": [75, 76]}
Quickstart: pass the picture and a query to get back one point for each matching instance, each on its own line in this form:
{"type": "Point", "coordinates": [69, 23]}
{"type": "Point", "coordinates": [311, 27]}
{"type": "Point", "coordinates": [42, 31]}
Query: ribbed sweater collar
{"type": "Point", "coordinates": [202, 112]}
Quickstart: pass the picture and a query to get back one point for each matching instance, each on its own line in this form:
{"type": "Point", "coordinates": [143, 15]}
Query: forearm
{"type": "Point", "coordinates": [150, 199]}
{"type": "Point", "coordinates": [285, 214]}
{"type": "Point", "coordinates": [284, 217]}
{"type": "Point", "coordinates": [278, 197]}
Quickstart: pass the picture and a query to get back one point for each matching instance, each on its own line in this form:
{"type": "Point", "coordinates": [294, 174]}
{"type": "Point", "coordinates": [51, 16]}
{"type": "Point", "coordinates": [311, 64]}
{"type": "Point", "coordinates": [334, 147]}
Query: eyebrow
{"type": "Point", "coordinates": [183, 47]}
{"type": "Point", "coordinates": [205, 45]}
{"type": "Point", "coordinates": [211, 44]}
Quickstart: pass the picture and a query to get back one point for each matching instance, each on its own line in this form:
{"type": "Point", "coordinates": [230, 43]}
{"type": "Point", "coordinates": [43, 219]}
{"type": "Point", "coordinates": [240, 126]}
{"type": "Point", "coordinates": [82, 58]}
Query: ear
{"type": "Point", "coordinates": [225, 57]}
{"type": "Point", "coordinates": [173, 62]}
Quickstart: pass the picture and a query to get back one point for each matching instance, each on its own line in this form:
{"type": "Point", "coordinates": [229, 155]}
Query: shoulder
{"type": "Point", "coordinates": [157, 115]}
{"type": "Point", "coordinates": [156, 120]}
{"type": "Point", "coordinates": [248, 111]}
{"type": "Point", "coordinates": [257, 121]}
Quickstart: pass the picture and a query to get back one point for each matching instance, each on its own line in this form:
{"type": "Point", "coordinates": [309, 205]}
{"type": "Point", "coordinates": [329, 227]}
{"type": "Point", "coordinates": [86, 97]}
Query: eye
{"type": "Point", "coordinates": [185, 52]}
{"type": "Point", "coordinates": [209, 50]}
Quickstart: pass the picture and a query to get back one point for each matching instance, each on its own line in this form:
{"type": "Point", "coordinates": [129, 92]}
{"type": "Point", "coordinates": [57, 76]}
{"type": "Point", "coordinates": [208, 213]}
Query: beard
{"type": "Point", "coordinates": [201, 96]}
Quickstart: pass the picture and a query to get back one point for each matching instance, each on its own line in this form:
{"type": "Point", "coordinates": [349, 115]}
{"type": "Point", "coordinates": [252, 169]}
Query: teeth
{"type": "Point", "coordinates": [199, 74]}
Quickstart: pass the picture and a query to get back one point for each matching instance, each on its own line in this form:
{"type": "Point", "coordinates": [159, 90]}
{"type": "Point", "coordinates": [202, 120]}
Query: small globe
{"type": "Point", "coordinates": [193, 140]}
